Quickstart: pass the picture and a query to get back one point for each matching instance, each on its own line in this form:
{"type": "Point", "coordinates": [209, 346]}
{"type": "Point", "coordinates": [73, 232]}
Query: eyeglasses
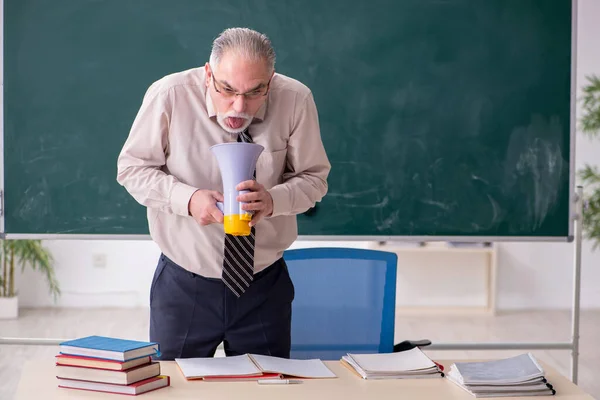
{"type": "Point", "coordinates": [229, 92]}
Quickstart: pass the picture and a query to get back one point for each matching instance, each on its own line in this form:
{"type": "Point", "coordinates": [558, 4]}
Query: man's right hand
{"type": "Point", "coordinates": [203, 207]}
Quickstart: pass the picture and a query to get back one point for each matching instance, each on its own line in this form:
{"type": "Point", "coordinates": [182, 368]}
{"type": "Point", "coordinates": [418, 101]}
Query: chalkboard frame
{"type": "Point", "coordinates": [572, 179]}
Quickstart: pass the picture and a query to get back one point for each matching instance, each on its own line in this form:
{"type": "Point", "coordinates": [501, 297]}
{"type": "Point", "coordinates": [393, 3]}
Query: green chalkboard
{"type": "Point", "coordinates": [440, 117]}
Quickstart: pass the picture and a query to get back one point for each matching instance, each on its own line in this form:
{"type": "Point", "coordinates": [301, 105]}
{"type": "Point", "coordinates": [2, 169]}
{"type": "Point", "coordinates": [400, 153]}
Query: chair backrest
{"type": "Point", "coordinates": [344, 301]}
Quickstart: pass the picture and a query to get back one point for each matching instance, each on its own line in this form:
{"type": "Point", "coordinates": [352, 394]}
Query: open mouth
{"type": "Point", "coordinates": [235, 122]}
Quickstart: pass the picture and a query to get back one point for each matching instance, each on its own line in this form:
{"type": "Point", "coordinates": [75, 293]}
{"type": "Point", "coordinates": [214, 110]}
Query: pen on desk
{"type": "Point", "coordinates": [278, 381]}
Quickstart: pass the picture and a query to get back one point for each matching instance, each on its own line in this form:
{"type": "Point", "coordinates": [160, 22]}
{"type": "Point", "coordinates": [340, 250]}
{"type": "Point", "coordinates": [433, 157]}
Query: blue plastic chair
{"type": "Point", "coordinates": [344, 301]}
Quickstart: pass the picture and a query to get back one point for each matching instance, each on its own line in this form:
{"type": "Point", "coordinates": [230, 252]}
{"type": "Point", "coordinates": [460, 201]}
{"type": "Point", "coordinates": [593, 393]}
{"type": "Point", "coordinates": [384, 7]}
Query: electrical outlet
{"type": "Point", "coordinates": [99, 260]}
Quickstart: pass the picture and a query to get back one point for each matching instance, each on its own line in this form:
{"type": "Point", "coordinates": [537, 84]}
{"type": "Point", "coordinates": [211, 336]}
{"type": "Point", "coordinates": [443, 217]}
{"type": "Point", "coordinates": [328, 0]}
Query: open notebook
{"type": "Point", "coordinates": [251, 366]}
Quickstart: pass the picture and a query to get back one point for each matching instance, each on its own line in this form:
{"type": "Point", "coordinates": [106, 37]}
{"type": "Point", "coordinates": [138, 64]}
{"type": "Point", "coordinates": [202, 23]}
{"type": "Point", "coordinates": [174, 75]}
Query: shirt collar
{"type": "Point", "coordinates": [260, 114]}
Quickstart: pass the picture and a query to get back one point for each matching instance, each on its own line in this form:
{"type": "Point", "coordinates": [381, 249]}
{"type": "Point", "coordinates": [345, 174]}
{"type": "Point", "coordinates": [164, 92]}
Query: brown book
{"type": "Point", "coordinates": [127, 377]}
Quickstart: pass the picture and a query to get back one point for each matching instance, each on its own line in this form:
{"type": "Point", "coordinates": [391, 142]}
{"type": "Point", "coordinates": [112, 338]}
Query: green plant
{"type": "Point", "coordinates": [590, 174]}
{"type": "Point", "coordinates": [25, 253]}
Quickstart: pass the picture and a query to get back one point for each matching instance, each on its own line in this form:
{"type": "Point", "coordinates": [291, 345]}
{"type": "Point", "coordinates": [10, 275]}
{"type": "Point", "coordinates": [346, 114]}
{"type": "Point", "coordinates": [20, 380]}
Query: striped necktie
{"type": "Point", "coordinates": [238, 260]}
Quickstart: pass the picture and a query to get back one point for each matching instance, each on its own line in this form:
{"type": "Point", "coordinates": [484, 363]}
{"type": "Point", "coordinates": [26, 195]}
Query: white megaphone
{"type": "Point", "coordinates": [237, 162]}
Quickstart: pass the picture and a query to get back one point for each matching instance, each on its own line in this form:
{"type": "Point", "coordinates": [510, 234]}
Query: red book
{"type": "Point", "coordinates": [134, 389]}
{"type": "Point", "coordinates": [91, 362]}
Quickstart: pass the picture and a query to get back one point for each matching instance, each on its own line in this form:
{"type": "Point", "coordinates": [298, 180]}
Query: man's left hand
{"type": "Point", "coordinates": [258, 200]}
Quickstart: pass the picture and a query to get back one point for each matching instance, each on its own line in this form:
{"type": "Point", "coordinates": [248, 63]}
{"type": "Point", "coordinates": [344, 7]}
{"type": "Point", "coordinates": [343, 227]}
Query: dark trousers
{"type": "Point", "coordinates": [191, 315]}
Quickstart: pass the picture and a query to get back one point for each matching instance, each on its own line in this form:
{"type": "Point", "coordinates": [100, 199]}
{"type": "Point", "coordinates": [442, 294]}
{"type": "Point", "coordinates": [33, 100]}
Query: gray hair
{"type": "Point", "coordinates": [252, 45]}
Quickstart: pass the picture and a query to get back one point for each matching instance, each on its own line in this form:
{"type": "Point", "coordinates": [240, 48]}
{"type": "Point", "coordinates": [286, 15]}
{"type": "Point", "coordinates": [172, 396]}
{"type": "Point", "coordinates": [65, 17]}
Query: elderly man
{"type": "Point", "coordinates": [210, 287]}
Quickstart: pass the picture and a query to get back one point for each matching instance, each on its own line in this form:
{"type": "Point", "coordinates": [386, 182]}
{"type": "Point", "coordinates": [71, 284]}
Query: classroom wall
{"type": "Point", "coordinates": [530, 275]}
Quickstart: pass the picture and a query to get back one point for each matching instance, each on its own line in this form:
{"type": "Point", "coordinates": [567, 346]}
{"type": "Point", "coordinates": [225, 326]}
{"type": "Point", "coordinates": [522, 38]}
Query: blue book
{"type": "Point", "coordinates": [109, 348]}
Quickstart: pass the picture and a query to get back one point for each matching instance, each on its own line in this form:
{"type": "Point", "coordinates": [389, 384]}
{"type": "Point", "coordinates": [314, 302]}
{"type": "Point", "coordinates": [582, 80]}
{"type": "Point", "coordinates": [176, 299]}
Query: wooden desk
{"type": "Point", "coordinates": [38, 381]}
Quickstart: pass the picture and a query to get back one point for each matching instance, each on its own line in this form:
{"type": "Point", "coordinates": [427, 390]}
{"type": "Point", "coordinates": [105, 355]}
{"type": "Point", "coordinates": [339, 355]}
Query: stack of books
{"type": "Point", "coordinates": [111, 365]}
{"type": "Point", "coordinates": [509, 377]}
{"type": "Point", "coordinates": [405, 364]}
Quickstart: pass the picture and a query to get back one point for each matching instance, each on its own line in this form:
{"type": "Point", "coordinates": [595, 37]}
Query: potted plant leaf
{"type": "Point", "coordinates": [590, 174]}
{"type": "Point", "coordinates": [22, 253]}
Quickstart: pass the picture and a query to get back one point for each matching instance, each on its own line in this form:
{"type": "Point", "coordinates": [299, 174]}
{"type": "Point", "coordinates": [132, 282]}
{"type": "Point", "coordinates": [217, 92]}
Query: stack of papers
{"type": "Point", "coordinates": [509, 377]}
{"type": "Point", "coordinates": [405, 364]}
{"type": "Point", "coordinates": [251, 367]}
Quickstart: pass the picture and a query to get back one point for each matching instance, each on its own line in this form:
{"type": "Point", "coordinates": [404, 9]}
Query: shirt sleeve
{"type": "Point", "coordinates": [140, 163]}
{"type": "Point", "coordinates": [307, 168]}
